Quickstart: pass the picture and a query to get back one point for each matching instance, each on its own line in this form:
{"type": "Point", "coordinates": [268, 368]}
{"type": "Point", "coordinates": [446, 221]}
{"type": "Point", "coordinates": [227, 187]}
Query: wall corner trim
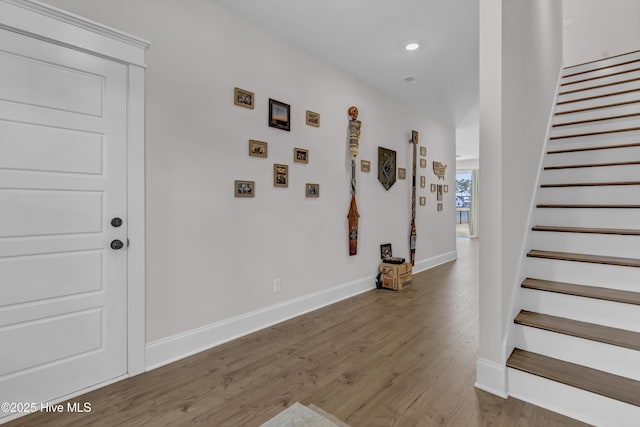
{"type": "Point", "coordinates": [176, 347]}
{"type": "Point", "coordinates": [491, 377]}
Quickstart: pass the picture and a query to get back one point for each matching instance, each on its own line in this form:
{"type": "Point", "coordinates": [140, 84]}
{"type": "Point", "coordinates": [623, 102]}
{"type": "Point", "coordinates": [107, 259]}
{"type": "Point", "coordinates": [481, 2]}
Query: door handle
{"type": "Point", "coordinates": [117, 244]}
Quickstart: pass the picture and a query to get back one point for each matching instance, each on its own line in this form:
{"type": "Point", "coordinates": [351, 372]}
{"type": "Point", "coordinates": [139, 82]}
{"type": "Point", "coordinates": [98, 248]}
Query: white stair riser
{"type": "Point", "coordinates": [581, 405]}
{"type": "Point", "coordinates": [594, 140]}
{"type": "Point", "coordinates": [603, 357]}
{"type": "Point", "coordinates": [612, 66]}
{"type": "Point", "coordinates": [600, 81]}
{"type": "Point", "coordinates": [604, 126]}
{"type": "Point", "coordinates": [629, 173]}
{"type": "Point", "coordinates": [614, 194]}
{"type": "Point", "coordinates": [593, 157]}
{"type": "Point", "coordinates": [597, 114]}
{"type": "Point", "coordinates": [606, 313]}
{"type": "Point", "coordinates": [592, 218]}
{"type": "Point", "coordinates": [588, 103]}
{"type": "Point", "coordinates": [597, 91]}
{"type": "Point", "coordinates": [611, 276]}
{"type": "Point", "coordinates": [584, 243]}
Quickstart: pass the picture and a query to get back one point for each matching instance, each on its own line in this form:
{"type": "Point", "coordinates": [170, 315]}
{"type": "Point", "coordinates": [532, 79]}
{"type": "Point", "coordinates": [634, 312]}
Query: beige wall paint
{"type": "Point", "coordinates": [600, 28]}
{"type": "Point", "coordinates": [212, 256]}
{"type": "Point", "coordinates": [520, 51]}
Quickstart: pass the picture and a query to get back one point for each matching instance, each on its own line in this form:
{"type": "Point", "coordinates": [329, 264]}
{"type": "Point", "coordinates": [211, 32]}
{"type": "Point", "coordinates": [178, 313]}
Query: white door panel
{"type": "Point", "coordinates": [63, 323]}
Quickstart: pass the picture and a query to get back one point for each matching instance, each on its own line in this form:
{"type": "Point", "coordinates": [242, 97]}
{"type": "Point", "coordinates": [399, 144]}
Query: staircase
{"type": "Point", "coordinates": [577, 336]}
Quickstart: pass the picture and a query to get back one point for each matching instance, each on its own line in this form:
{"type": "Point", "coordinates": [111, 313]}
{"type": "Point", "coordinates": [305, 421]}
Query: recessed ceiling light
{"type": "Point", "coordinates": [412, 46]}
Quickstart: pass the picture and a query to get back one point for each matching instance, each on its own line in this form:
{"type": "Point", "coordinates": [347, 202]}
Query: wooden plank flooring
{"type": "Point", "coordinates": [379, 359]}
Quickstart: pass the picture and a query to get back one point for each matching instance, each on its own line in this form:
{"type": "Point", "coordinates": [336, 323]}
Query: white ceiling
{"type": "Point", "coordinates": [367, 37]}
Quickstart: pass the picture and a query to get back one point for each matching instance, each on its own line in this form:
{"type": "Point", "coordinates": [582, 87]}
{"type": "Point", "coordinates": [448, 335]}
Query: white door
{"type": "Point", "coordinates": [63, 289]}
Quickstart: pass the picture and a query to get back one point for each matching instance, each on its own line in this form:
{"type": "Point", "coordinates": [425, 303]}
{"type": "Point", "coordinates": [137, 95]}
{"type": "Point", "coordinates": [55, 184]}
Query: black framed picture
{"type": "Point", "coordinates": [279, 115]}
{"type": "Point", "coordinates": [385, 251]}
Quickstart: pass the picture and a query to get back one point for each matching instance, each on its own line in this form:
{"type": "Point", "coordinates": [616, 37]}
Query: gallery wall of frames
{"type": "Point", "coordinates": [249, 173]}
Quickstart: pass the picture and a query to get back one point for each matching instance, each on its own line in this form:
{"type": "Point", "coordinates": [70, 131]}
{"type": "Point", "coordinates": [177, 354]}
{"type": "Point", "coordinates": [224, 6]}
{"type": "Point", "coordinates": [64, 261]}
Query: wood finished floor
{"type": "Point", "coordinates": [378, 359]}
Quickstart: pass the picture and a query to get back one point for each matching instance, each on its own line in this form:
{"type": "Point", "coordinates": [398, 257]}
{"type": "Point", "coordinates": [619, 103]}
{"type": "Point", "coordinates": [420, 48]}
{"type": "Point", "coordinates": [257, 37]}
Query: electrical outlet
{"type": "Point", "coordinates": [277, 286]}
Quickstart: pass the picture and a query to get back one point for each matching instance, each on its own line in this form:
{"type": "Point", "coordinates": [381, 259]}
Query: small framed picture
{"type": "Point", "coordinates": [423, 151]}
{"type": "Point", "coordinates": [433, 188]}
{"type": "Point", "coordinates": [280, 175]}
{"type": "Point", "coordinates": [423, 181]}
{"type": "Point", "coordinates": [300, 155]}
{"type": "Point", "coordinates": [365, 166]}
{"type": "Point", "coordinates": [244, 188]}
{"type": "Point", "coordinates": [414, 136]}
{"type": "Point", "coordinates": [446, 188]}
{"type": "Point", "coordinates": [258, 148]}
{"type": "Point", "coordinates": [439, 207]}
{"type": "Point", "coordinates": [385, 251]}
{"type": "Point", "coordinates": [402, 173]}
{"type": "Point", "coordinates": [243, 98]}
{"type": "Point", "coordinates": [423, 163]}
{"type": "Point", "coordinates": [279, 115]}
{"type": "Point", "coordinates": [423, 201]}
{"type": "Point", "coordinates": [312, 190]}
{"type": "Point", "coordinates": [439, 197]}
{"type": "Point", "coordinates": [313, 119]}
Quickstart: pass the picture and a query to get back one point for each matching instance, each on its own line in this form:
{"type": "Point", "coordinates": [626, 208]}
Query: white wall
{"type": "Point", "coordinates": [212, 256]}
{"type": "Point", "coordinates": [600, 28]}
{"type": "Point", "coordinates": [520, 47]}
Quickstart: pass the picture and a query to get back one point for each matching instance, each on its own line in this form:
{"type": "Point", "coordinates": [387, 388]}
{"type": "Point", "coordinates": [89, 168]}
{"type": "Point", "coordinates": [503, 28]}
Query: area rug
{"type": "Point", "coordinates": [298, 415]}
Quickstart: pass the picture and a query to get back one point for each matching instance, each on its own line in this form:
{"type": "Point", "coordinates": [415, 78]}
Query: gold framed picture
{"type": "Point", "coordinates": [423, 201]}
{"type": "Point", "coordinates": [280, 175]}
{"type": "Point", "coordinates": [312, 190]}
{"type": "Point", "coordinates": [446, 188]}
{"type": "Point", "coordinates": [313, 119]}
{"type": "Point", "coordinates": [423, 163]}
{"type": "Point", "coordinates": [423, 181]}
{"type": "Point", "coordinates": [258, 148]}
{"type": "Point", "coordinates": [439, 207]}
{"type": "Point", "coordinates": [423, 150]}
{"type": "Point", "coordinates": [402, 173]}
{"type": "Point", "coordinates": [300, 155]}
{"type": "Point", "coordinates": [365, 166]}
{"type": "Point", "coordinates": [433, 188]}
{"type": "Point", "coordinates": [244, 188]}
{"type": "Point", "coordinates": [243, 98]}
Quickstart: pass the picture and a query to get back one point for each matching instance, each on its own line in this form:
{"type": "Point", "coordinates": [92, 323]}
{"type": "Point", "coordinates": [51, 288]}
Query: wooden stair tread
{"type": "Point", "coordinates": [603, 76]}
{"type": "Point", "coordinates": [599, 68]}
{"type": "Point", "coordinates": [605, 95]}
{"type": "Point", "coordinates": [597, 107]}
{"type": "Point", "coordinates": [600, 86]}
{"type": "Point", "coordinates": [593, 259]}
{"type": "Point", "coordinates": [601, 59]}
{"type": "Point", "coordinates": [599, 119]}
{"type": "Point", "coordinates": [590, 184]}
{"type": "Point", "coordinates": [600, 147]}
{"type": "Point", "coordinates": [600, 132]}
{"type": "Point", "coordinates": [618, 231]}
{"type": "Point", "coordinates": [589, 379]}
{"type": "Point", "coordinates": [592, 165]}
{"type": "Point", "coordinates": [595, 292]}
{"type": "Point", "coordinates": [586, 206]}
{"type": "Point", "coordinates": [576, 328]}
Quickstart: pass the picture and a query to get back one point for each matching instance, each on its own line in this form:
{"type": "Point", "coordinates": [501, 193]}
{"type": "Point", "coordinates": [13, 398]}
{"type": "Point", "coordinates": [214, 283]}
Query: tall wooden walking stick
{"type": "Point", "coordinates": [354, 135]}
{"type": "Point", "coordinates": [412, 232]}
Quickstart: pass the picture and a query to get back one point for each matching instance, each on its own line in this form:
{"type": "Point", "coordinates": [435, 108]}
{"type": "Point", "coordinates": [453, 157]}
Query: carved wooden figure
{"type": "Point", "coordinates": [412, 231]}
{"type": "Point", "coordinates": [354, 137]}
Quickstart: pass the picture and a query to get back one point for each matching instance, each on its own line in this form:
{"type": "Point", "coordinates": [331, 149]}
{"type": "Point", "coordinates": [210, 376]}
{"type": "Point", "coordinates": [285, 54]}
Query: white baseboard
{"type": "Point", "coordinates": [491, 377]}
{"type": "Point", "coordinates": [176, 347]}
{"type": "Point", "coordinates": [435, 261]}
